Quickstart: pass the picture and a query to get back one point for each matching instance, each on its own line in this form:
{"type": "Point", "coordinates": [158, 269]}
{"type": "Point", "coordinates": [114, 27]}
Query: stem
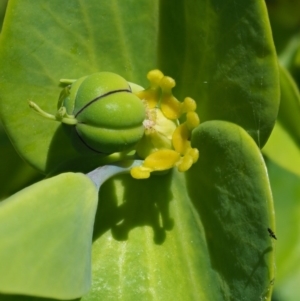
{"type": "Point", "coordinates": [103, 173]}
{"type": "Point", "coordinates": [70, 121]}
{"type": "Point", "coordinates": [67, 81]}
{"type": "Point", "coordinates": [61, 115]}
{"type": "Point", "coordinates": [40, 111]}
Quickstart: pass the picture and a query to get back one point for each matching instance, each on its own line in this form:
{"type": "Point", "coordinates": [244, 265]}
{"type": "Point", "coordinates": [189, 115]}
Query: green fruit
{"type": "Point", "coordinates": [109, 116]}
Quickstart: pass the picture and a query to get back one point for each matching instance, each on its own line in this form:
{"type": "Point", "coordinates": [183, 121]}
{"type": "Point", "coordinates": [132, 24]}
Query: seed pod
{"type": "Point", "coordinates": [109, 116]}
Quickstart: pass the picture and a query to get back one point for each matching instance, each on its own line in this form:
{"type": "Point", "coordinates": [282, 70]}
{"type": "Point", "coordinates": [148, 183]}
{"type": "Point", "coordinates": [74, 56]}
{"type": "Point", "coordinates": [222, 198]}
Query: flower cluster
{"type": "Point", "coordinates": [109, 118]}
{"type": "Point", "coordinates": [166, 142]}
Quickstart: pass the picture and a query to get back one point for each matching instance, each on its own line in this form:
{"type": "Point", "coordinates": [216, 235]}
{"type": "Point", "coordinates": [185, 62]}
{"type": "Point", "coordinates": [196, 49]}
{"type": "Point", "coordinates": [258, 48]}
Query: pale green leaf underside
{"type": "Point", "coordinates": [286, 192]}
{"type": "Point", "coordinates": [283, 150]}
{"type": "Point", "coordinates": [46, 234]}
{"type": "Point", "coordinates": [289, 111]}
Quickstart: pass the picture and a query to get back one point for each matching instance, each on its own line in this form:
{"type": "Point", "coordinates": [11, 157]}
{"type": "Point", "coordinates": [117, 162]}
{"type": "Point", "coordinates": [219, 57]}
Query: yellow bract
{"type": "Point", "coordinates": [166, 143]}
{"type": "Point", "coordinates": [161, 160]}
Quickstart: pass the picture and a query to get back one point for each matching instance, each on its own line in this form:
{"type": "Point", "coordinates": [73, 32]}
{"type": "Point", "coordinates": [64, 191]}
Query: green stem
{"type": "Point", "coordinates": [103, 173]}
{"type": "Point", "coordinates": [40, 111]}
{"type": "Point", "coordinates": [70, 121]}
{"type": "Point", "coordinates": [61, 115]}
{"type": "Point", "coordinates": [67, 81]}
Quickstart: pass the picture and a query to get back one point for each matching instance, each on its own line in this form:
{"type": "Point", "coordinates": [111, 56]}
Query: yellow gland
{"type": "Point", "coordinates": [151, 95]}
{"type": "Point", "coordinates": [188, 159]}
{"type": "Point", "coordinates": [180, 139]}
{"type": "Point", "coordinates": [161, 160]}
{"type": "Point", "coordinates": [188, 105]}
{"type": "Point", "coordinates": [166, 142]}
{"type": "Point", "coordinates": [169, 105]}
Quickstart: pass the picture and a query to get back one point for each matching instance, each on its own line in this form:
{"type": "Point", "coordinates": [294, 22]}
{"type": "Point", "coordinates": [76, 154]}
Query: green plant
{"type": "Point", "coordinates": [198, 235]}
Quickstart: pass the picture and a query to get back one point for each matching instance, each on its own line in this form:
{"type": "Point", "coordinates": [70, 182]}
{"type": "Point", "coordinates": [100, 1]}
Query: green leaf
{"type": "Point", "coordinates": [67, 39]}
{"type": "Point", "coordinates": [46, 234]}
{"type": "Point", "coordinates": [213, 231]}
{"type": "Point", "coordinates": [15, 174]}
{"type": "Point", "coordinates": [222, 54]}
{"type": "Point", "coordinates": [283, 145]}
{"type": "Point", "coordinates": [3, 5]}
{"type": "Point", "coordinates": [155, 239]}
{"type": "Point", "coordinates": [289, 111]}
{"type": "Point", "coordinates": [283, 150]}
{"type": "Point", "coordinates": [234, 200]}
{"type": "Point", "coordinates": [203, 237]}
{"type": "Point", "coordinates": [286, 192]}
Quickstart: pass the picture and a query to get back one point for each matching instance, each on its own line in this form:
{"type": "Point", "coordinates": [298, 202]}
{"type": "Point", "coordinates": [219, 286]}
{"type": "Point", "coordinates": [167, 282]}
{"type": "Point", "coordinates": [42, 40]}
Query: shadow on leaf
{"type": "Point", "coordinates": [4, 297]}
{"type": "Point", "coordinates": [126, 203]}
{"type": "Point", "coordinates": [68, 153]}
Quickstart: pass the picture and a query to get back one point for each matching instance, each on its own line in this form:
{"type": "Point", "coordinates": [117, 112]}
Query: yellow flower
{"type": "Point", "coordinates": [166, 142]}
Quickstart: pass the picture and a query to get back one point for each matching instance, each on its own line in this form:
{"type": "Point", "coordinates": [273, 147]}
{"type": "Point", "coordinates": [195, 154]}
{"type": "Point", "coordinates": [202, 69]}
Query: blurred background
{"type": "Point", "coordinates": [282, 153]}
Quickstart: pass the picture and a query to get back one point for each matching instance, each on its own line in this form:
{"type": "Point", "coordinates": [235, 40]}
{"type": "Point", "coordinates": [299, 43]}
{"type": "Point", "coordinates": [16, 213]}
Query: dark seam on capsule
{"type": "Point", "coordinates": [112, 128]}
{"type": "Point", "coordinates": [87, 144]}
{"type": "Point", "coordinates": [99, 97]}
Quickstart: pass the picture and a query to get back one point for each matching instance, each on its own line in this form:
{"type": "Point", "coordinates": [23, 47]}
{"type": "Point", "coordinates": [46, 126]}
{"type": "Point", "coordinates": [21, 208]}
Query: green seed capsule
{"type": "Point", "coordinates": [109, 116]}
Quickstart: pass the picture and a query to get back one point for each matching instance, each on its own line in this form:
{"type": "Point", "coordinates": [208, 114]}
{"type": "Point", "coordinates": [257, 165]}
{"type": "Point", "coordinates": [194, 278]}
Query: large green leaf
{"type": "Point", "coordinates": [203, 237]}
{"type": "Point", "coordinates": [234, 201]}
{"type": "Point", "coordinates": [289, 111]}
{"type": "Point", "coordinates": [220, 52]}
{"type": "Point", "coordinates": [15, 174]}
{"type": "Point", "coordinates": [3, 5]}
{"type": "Point", "coordinates": [46, 235]}
{"type": "Point", "coordinates": [66, 39]}
{"type": "Point", "coordinates": [162, 240]}
{"type": "Point", "coordinates": [283, 150]}
{"type": "Point", "coordinates": [283, 145]}
{"type": "Point", "coordinates": [159, 239]}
